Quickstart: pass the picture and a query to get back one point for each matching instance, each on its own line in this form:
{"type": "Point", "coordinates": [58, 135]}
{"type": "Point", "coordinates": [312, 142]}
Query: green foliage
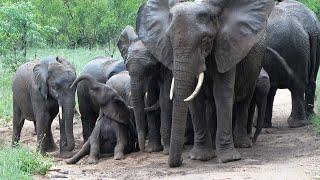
{"type": "Point", "coordinates": [314, 5]}
{"type": "Point", "coordinates": [22, 163]}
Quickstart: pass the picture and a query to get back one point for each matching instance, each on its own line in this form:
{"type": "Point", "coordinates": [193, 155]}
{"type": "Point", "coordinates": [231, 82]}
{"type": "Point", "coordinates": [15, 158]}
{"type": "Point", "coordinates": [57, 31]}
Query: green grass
{"type": "Point", "coordinates": [22, 163]}
{"type": "Point", "coordinates": [78, 57]}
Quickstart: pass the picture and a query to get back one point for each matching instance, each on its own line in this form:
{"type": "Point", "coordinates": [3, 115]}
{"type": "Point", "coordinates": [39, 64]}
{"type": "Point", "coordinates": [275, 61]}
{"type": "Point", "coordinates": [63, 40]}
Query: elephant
{"type": "Point", "coordinates": [115, 129]}
{"type": "Point", "coordinates": [311, 25]}
{"type": "Point", "coordinates": [149, 76]}
{"type": "Point", "coordinates": [293, 38]}
{"type": "Point", "coordinates": [220, 41]}
{"type": "Point", "coordinates": [101, 68]}
{"type": "Point", "coordinates": [41, 89]}
{"type": "Point", "coordinates": [259, 99]}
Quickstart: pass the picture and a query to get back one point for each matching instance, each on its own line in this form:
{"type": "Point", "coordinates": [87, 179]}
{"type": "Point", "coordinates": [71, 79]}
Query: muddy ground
{"type": "Point", "coordinates": [280, 153]}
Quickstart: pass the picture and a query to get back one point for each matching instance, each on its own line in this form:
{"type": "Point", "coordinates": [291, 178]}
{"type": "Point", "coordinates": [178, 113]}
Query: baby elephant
{"type": "Point", "coordinates": [41, 89]}
{"type": "Point", "coordinates": [259, 99]}
{"type": "Point", "coordinates": [114, 130]}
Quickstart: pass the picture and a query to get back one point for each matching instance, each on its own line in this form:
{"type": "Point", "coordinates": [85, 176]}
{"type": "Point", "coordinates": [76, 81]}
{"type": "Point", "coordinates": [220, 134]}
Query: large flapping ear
{"type": "Point", "coordinates": [40, 75]}
{"type": "Point", "coordinates": [152, 23]}
{"type": "Point", "coordinates": [127, 37]}
{"type": "Point", "coordinates": [241, 24]}
{"type": "Point", "coordinates": [116, 108]}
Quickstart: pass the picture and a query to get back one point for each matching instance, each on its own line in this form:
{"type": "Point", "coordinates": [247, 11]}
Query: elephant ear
{"type": "Point", "coordinates": [152, 23]}
{"type": "Point", "coordinates": [40, 75]}
{"type": "Point", "coordinates": [127, 37]}
{"type": "Point", "coordinates": [117, 110]}
{"type": "Point", "coordinates": [241, 23]}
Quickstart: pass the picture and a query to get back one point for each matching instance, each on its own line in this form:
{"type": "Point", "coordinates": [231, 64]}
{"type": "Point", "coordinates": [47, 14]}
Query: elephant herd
{"type": "Point", "coordinates": [192, 73]}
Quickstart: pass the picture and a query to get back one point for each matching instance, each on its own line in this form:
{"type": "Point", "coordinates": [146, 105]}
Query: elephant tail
{"type": "Point", "coordinates": [285, 66]}
{"type": "Point", "coordinates": [86, 77]}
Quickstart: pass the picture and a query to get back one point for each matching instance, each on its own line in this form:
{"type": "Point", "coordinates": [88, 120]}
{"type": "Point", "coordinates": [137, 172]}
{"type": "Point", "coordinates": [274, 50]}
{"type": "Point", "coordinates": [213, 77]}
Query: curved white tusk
{"type": "Point", "coordinates": [60, 112]}
{"type": "Point", "coordinates": [197, 89]}
{"type": "Point", "coordinates": [171, 89]}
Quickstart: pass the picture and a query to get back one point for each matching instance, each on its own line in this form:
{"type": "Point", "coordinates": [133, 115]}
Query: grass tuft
{"type": "Point", "coordinates": [22, 163]}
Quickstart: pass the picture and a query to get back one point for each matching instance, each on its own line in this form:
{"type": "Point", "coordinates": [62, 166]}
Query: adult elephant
{"type": "Point", "coordinates": [294, 31]}
{"type": "Point", "coordinates": [311, 25]}
{"type": "Point", "coordinates": [212, 36]}
{"type": "Point", "coordinates": [100, 68]}
{"type": "Point", "coordinates": [41, 89]}
{"type": "Point", "coordinates": [149, 76]}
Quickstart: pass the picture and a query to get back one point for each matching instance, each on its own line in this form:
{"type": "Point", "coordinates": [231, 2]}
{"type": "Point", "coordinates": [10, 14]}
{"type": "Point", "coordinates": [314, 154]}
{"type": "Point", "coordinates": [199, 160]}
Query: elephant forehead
{"type": "Point", "coordinates": [189, 8]}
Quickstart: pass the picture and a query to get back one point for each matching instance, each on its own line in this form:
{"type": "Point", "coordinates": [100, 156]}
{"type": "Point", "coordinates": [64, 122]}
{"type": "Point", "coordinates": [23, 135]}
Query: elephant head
{"type": "Point", "coordinates": [140, 64]}
{"type": "Point", "coordinates": [111, 104]}
{"type": "Point", "coordinates": [183, 35]}
{"type": "Point", "coordinates": [53, 77]}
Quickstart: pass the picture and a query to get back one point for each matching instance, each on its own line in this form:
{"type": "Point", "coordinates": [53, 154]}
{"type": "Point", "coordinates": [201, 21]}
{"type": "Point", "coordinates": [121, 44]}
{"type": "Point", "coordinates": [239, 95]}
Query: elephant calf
{"type": "Point", "coordinates": [259, 99]}
{"type": "Point", "coordinates": [41, 89]}
{"type": "Point", "coordinates": [114, 130]}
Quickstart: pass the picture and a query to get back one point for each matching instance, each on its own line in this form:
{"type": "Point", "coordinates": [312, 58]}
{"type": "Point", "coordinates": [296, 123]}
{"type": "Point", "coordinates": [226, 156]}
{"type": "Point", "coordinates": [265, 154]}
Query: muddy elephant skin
{"type": "Point", "coordinates": [40, 90]}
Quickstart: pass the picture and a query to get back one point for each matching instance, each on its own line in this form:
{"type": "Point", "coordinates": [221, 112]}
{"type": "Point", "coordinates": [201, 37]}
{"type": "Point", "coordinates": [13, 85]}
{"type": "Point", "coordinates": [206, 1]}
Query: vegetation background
{"type": "Point", "coordinates": [78, 30]}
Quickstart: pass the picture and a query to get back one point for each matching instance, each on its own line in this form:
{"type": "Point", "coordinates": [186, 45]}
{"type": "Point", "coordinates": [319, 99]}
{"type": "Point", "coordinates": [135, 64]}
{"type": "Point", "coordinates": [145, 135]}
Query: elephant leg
{"type": "Point", "coordinates": [240, 132]}
{"type": "Point", "coordinates": [51, 144]}
{"type": "Point", "coordinates": [261, 104]}
{"type": "Point", "coordinates": [85, 150]}
{"type": "Point", "coordinates": [189, 137]}
{"type": "Point", "coordinates": [311, 86]}
{"type": "Point", "coordinates": [202, 148]}
{"type": "Point", "coordinates": [154, 139]}
{"type": "Point", "coordinates": [18, 122]}
{"type": "Point", "coordinates": [35, 128]}
{"type": "Point", "coordinates": [297, 117]}
{"type": "Point", "coordinates": [211, 118]}
{"type": "Point", "coordinates": [95, 143]}
{"type": "Point", "coordinates": [251, 110]}
{"type": "Point", "coordinates": [121, 142]}
{"type": "Point", "coordinates": [268, 114]}
{"type": "Point", "coordinates": [166, 111]}
{"type": "Point", "coordinates": [223, 91]}
{"type": "Point", "coordinates": [42, 134]}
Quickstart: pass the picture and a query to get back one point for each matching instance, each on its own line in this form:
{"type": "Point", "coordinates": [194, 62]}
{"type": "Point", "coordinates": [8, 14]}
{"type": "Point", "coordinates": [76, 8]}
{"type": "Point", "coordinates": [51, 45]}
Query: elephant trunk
{"type": "Point", "coordinates": [137, 99]}
{"type": "Point", "coordinates": [67, 120]}
{"type": "Point", "coordinates": [87, 77]}
{"type": "Point", "coordinates": [183, 87]}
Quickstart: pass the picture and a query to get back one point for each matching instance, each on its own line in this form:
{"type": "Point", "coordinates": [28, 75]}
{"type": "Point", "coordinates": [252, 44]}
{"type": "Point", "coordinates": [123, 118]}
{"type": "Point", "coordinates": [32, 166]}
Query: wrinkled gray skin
{"type": "Point", "coordinates": [210, 36]}
{"type": "Point", "coordinates": [149, 76]}
{"type": "Point", "coordinates": [39, 88]}
{"type": "Point", "coordinates": [114, 130]}
{"type": "Point", "coordinates": [295, 39]}
{"type": "Point", "coordinates": [101, 68]}
{"type": "Point", "coordinates": [311, 25]}
{"type": "Point", "coordinates": [259, 100]}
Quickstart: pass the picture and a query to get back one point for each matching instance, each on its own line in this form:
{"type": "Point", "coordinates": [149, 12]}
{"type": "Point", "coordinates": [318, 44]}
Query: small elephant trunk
{"type": "Point", "coordinates": [67, 120]}
{"type": "Point", "coordinates": [86, 77]}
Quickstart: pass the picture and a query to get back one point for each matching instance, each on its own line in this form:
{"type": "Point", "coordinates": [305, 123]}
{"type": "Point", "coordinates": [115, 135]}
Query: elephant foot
{"type": "Point", "coordinates": [93, 160]}
{"type": "Point", "coordinates": [52, 147]}
{"type": "Point", "coordinates": [70, 161]}
{"type": "Point", "coordinates": [295, 123]}
{"type": "Point", "coordinates": [153, 147]}
{"type": "Point", "coordinates": [175, 162]}
{"type": "Point", "coordinates": [228, 155]}
{"type": "Point", "coordinates": [242, 141]}
{"type": "Point", "coordinates": [165, 151]}
{"type": "Point", "coordinates": [65, 155]}
{"type": "Point", "coordinates": [267, 125]}
{"type": "Point", "coordinates": [118, 155]}
{"type": "Point", "coordinates": [201, 154]}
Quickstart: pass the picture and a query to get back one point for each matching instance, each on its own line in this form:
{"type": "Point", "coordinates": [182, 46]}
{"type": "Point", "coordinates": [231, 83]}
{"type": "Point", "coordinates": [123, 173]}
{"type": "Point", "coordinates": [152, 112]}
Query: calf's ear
{"type": "Point", "coordinates": [40, 76]}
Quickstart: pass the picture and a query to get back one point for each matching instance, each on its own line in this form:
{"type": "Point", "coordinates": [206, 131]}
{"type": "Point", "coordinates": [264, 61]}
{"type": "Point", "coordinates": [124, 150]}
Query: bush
{"type": "Point", "coordinates": [22, 163]}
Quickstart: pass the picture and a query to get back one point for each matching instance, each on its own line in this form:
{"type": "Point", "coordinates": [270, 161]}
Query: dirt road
{"type": "Point", "coordinates": [280, 153]}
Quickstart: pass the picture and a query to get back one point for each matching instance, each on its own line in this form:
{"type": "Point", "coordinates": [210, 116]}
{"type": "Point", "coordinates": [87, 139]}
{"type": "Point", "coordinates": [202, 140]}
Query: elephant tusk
{"type": "Point", "coordinates": [197, 89]}
{"type": "Point", "coordinates": [171, 89]}
{"type": "Point", "coordinates": [60, 112]}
